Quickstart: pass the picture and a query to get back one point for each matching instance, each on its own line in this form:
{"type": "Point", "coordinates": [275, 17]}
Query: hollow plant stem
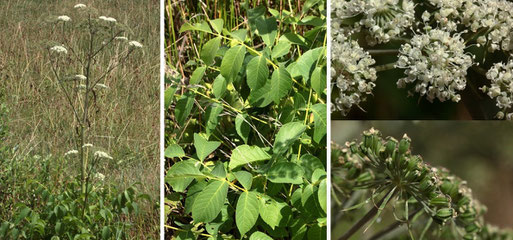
{"type": "Point", "coordinates": [368, 216]}
{"type": "Point", "coordinates": [385, 67]}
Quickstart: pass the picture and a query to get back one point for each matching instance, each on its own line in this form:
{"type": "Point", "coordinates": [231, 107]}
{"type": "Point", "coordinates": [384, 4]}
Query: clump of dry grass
{"type": "Point", "coordinates": [126, 122]}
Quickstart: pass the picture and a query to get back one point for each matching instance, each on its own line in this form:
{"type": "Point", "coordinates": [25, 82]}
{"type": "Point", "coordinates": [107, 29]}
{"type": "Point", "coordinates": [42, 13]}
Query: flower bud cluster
{"type": "Point", "coordinates": [436, 62]}
{"type": "Point", "coordinates": [351, 72]}
{"type": "Point", "coordinates": [376, 163]}
{"type": "Point", "coordinates": [501, 88]}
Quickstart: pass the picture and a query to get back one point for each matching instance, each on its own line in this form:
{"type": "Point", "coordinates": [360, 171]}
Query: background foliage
{"type": "Point", "coordinates": [246, 120]}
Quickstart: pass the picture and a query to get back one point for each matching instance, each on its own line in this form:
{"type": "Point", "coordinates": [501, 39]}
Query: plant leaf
{"type": "Point", "coordinates": [239, 35]}
{"type": "Point", "coordinates": [183, 108]}
{"type": "Point", "coordinates": [316, 232]}
{"type": "Point", "coordinates": [318, 80]}
{"type": "Point", "coordinates": [245, 154]}
{"type": "Point", "coordinates": [320, 121]}
{"type": "Point", "coordinates": [174, 150]}
{"type": "Point", "coordinates": [257, 72]}
{"type": "Point", "coordinates": [232, 62]}
{"type": "Point", "coordinates": [182, 173]}
{"type": "Point", "coordinates": [267, 29]}
{"type": "Point", "coordinates": [261, 97]}
{"type": "Point", "coordinates": [201, 26]}
{"type": "Point", "coordinates": [273, 212]}
{"type": "Point", "coordinates": [204, 147]}
{"type": "Point", "coordinates": [209, 50]}
{"type": "Point", "coordinates": [245, 178]}
{"type": "Point", "coordinates": [197, 75]}
{"type": "Point", "coordinates": [307, 63]}
{"type": "Point", "coordinates": [217, 25]}
{"type": "Point", "coordinates": [259, 236]}
{"type": "Point", "coordinates": [286, 172]}
{"type": "Point", "coordinates": [281, 83]}
{"type": "Point", "coordinates": [211, 115]}
{"type": "Point", "coordinates": [321, 195]}
{"type": "Point", "coordinates": [280, 49]}
{"type": "Point", "coordinates": [286, 136]}
{"type": "Point", "coordinates": [242, 127]}
{"type": "Point", "coordinates": [246, 213]}
{"type": "Point", "coordinates": [310, 163]}
{"type": "Point", "coordinates": [209, 202]}
{"type": "Point", "coordinates": [294, 39]}
{"type": "Point", "coordinates": [219, 86]}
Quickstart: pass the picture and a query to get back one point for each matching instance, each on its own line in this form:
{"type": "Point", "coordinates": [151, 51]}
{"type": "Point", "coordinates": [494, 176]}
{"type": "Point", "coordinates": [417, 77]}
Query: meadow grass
{"type": "Point", "coordinates": [126, 122]}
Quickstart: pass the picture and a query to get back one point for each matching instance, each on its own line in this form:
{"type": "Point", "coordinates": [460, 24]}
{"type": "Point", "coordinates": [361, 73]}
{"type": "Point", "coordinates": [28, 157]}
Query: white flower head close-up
{"type": "Point", "coordinates": [59, 49]}
{"type": "Point", "coordinates": [121, 38]}
{"type": "Point", "coordinates": [64, 18]}
{"type": "Point", "coordinates": [87, 145]}
{"type": "Point", "coordinates": [501, 87]}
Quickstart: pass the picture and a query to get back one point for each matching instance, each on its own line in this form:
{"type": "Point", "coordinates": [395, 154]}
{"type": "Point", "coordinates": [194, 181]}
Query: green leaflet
{"type": "Point", "coordinates": [246, 213]}
{"type": "Point", "coordinates": [209, 202]}
{"type": "Point", "coordinates": [212, 115]}
{"type": "Point", "coordinates": [245, 154]}
{"type": "Point", "coordinates": [281, 83]}
{"type": "Point", "coordinates": [257, 72]}
{"type": "Point", "coordinates": [219, 86]}
{"type": "Point", "coordinates": [261, 97]}
{"type": "Point", "coordinates": [281, 49]}
{"type": "Point", "coordinates": [259, 236]}
{"type": "Point", "coordinates": [209, 50]}
{"type": "Point", "coordinates": [174, 150]}
{"type": "Point", "coordinates": [322, 195]}
{"type": "Point", "coordinates": [182, 173]}
{"type": "Point", "coordinates": [242, 126]}
{"type": "Point", "coordinates": [183, 108]}
{"type": "Point", "coordinates": [204, 147]}
{"type": "Point", "coordinates": [168, 96]}
{"type": "Point", "coordinates": [307, 63]}
{"type": "Point", "coordinates": [274, 213]}
{"type": "Point", "coordinates": [232, 62]}
{"type": "Point", "coordinates": [310, 163]}
{"type": "Point", "coordinates": [285, 172]}
{"type": "Point", "coordinates": [197, 75]}
{"type": "Point", "coordinates": [217, 25]}
{"type": "Point", "coordinates": [239, 35]}
{"type": "Point", "coordinates": [320, 121]}
{"type": "Point", "coordinates": [245, 178]}
{"type": "Point", "coordinates": [318, 80]}
{"type": "Point", "coordinates": [201, 26]}
{"type": "Point", "coordinates": [316, 232]}
{"type": "Point", "coordinates": [286, 136]}
{"type": "Point", "coordinates": [267, 29]}
{"type": "Point", "coordinates": [293, 39]}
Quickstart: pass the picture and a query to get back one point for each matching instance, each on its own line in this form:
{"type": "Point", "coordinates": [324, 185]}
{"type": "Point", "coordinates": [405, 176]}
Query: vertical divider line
{"type": "Point", "coordinates": [328, 118]}
{"type": "Point", "coordinates": [162, 127]}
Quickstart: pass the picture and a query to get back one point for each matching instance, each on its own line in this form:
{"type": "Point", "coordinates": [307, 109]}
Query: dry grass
{"type": "Point", "coordinates": [126, 118]}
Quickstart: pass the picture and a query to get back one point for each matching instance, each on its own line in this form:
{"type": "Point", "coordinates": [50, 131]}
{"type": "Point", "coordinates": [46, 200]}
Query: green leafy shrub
{"type": "Point", "coordinates": [431, 202]}
{"type": "Point", "coordinates": [246, 130]}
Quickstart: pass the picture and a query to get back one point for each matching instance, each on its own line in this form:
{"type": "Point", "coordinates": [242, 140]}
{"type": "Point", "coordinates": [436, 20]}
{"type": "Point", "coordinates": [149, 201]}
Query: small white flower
{"type": "Point", "coordinates": [501, 87]}
{"type": "Point", "coordinates": [101, 86]}
{"type": "Point", "coordinates": [71, 152]}
{"type": "Point", "coordinates": [80, 6]}
{"type": "Point", "coordinates": [102, 154]}
{"type": "Point", "coordinates": [99, 176]}
{"type": "Point", "coordinates": [80, 77]}
{"type": "Point", "coordinates": [59, 49]}
{"type": "Point", "coordinates": [87, 145]}
{"type": "Point", "coordinates": [108, 19]}
{"type": "Point", "coordinates": [135, 44]}
{"type": "Point", "coordinates": [64, 18]}
{"type": "Point", "coordinates": [121, 38]}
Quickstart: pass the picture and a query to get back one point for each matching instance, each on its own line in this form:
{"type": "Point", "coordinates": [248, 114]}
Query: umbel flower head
{"type": "Point", "coordinates": [436, 62]}
{"type": "Point", "coordinates": [108, 19]}
{"type": "Point", "coordinates": [383, 19]}
{"type": "Point", "coordinates": [102, 154]}
{"type": "Point", "coordinates": [59, 49]}
{"type": "Point", "coordinates": [80, 6]}
{"type": "Point", "coordinates": [71, 152]}
{"type": "Point", "coordinates": [64, 18]}
{"type": "Point", "coordinates": [501, 88]}
{"type": "Point", "coordinates": [135, 44]}
{"type": "Point", "coordinates": [351, 72]}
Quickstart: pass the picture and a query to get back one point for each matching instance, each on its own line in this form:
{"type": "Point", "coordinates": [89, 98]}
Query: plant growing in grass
{"type": "Point", "coordinates": [444, 47]}
{"type": "Point", "coordinates": [246, 133]}
{"type": "Point", "coordinates": [87, 50]}
{"type": "Point", "coordinates": [431, 202]}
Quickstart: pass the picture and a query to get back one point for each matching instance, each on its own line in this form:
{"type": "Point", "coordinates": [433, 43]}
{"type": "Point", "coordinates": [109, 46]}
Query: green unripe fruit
{"type": "Point", "coordinates": [439, 201]}
{"type": "Point", "coordinates": [472, 228]}
{"type": "Point", "coordinates": [444, 214]}
{"type": "Point", "coordinates": [404, 144]}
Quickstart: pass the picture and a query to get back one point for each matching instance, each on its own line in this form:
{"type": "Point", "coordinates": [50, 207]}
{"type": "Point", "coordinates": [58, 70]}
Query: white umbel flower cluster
{"type": "Point", "coordinates": [80, 77]}
{"type": "Point", "coordinates": [121, 38]}
{"type": "Point", "coordinates": [102, 154]}
{"type": "Point", "coordinates": [501, 88]}
{"type": "Point", "coordinates": [384, 19]}
{"type": "Point", "coordinates": [108, 19]}
{"type": "Point", "coordinates": [351, 72]}
{"type": "Point", "coordinates": [135, 44]}
{"type": "Point", "coordinates": [63, 18]}
{"type": "Point", "coordinates": [59, 49]}
{"type": "Point", "coordinates": [71, 152]}
{"type": "Point", "coordinates": [80, 6]}
{"type": "Point", "coordinates": [436, 63]}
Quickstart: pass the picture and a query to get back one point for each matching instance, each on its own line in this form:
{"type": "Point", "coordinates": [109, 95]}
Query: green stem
{"type": "Point", "coordinates": [392, 227]}
{"type": "Point", "coordinates": [378, 52]}
{"type": "Point", "coordinates": [385, 67]}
